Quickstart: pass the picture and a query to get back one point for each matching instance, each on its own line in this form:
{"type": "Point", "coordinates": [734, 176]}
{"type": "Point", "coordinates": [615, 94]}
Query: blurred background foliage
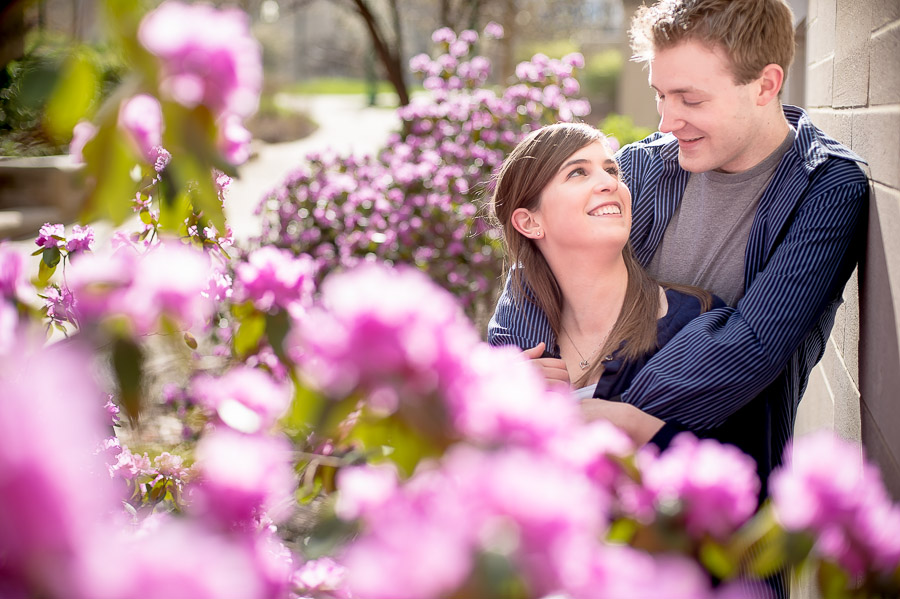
{"type": "Point", "coordinates": [309, 46]}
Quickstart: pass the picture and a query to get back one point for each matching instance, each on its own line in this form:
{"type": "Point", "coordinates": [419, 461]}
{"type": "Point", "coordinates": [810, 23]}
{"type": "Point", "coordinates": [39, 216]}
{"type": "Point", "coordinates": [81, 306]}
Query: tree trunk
{"type": "Point", "coordinates": [391, 58]}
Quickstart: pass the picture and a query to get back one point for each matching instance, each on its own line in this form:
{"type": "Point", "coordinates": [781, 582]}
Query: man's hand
{"type": "Point", "coordinates": [553, 369]}
{"type": "Point", "coordinates": [638, 425]}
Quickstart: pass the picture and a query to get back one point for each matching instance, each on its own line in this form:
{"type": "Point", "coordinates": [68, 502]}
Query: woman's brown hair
{"type": "Point", "coordinates": [524, 175]}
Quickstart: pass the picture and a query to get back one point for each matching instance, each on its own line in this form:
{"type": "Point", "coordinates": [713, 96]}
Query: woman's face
{"type": "Point", "coordinates": [586, 203]}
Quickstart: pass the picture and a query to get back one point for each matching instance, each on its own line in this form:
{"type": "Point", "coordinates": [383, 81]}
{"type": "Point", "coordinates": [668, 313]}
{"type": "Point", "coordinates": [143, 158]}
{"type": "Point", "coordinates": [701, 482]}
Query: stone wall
{"type": "Point", "coordinates": [853, 93]}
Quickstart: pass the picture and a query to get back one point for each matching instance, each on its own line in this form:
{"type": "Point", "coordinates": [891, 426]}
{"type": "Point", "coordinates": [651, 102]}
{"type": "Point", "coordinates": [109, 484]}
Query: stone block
{"type": "Point", "coordinates": [851, 53]}
{"type": "Point", "coordinates": [884, 74]}
{"type": "Point", "coordinates": [884, 12]}
{"type": "Point", "coordinates": [850, 348]}
{"type": "Point", "coordinates": [876, 137]}
{"type": "Point", "coordinates": [820, 84]}
{"type": "Point", "coordinates": [836, 123]}
{"type": "Point", "coordinates": [821, 31]}
{"type": "Point", "coordinates": [880, 328]}
{"type": "Point", "coordinates": [844, 393]}
{"type": "Point", "coordinates": [816, 409]}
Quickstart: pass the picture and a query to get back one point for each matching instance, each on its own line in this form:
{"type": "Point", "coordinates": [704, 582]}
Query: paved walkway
{"type": "Point", "coordinates": [346, 124]}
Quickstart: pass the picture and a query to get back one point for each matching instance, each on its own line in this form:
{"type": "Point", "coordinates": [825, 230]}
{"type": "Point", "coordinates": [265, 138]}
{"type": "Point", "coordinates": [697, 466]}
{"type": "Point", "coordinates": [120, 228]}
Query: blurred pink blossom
{"type": "Point", "coordinates": [493, 30]}
{"type": "Point", "coordinates": [83, 132]}
{"type": "Point", "coordinates": [272, 277]}
{"type": "Point", "coordinates": [714, 486]}
{"type": "Point", "coordinates": [141, 116]}
{"type": "Point", "coordinates": [827, 488]}
{"type": "Point", "coordinates": [234, 139]}
{"type": "Point", "coordinates": [246, 399]}
{"type": "Point", "coordinates": [208, 56]}
{"type": "Point", "coordinates": [242, 477]}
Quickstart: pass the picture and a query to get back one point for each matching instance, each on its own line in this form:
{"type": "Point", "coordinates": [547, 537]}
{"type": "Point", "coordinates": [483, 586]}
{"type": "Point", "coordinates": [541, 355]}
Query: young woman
{"type": "Point", "coordinates": [566, 216]}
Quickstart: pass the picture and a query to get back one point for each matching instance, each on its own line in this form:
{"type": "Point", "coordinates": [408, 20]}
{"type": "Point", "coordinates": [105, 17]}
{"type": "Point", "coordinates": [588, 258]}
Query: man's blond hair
{"type": "Point", "coordinates": [753, 33]}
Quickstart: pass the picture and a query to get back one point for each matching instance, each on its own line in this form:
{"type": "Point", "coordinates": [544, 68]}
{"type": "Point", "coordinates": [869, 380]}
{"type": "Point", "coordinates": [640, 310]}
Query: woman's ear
{"type": "Point", "coordinates": [527, 223]}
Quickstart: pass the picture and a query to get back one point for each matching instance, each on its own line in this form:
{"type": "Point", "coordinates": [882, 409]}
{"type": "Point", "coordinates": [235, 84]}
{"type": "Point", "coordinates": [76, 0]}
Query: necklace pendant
{"type": "Point", "coordinates": [584, 364]}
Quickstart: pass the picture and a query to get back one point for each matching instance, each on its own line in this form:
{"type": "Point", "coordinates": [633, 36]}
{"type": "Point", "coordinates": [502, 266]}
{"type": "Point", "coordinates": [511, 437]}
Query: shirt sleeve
{"type": "Point", "coordinates": [725, 357]}
{"type": "Point", "coordinates": [518, 323]}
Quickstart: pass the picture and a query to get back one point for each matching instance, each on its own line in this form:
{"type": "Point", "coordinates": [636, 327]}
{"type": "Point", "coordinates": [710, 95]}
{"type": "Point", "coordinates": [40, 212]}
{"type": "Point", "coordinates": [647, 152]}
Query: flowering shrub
{"type": "Point", "coordinates": [417, 202]}
{"type": "Point", "coordinates": [441, 467]}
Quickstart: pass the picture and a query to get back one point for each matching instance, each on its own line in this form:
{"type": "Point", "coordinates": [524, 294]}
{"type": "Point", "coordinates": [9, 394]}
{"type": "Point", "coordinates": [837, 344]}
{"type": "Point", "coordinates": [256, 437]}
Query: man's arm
{"type": "Point", "coordinates": [724, 358]}
{"type": "Point", "coordinates": [521, 324]}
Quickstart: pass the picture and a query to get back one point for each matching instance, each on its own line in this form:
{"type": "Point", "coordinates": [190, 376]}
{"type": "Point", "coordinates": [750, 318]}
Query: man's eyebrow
{"type": "Point", "coordinates": [680, 90]}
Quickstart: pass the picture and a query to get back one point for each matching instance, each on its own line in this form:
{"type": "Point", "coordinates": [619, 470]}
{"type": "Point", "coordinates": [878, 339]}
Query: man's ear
{"type": "Point", "coordinates": [770, 81]}
{"type": "Point", "coordinates": [527, 223]}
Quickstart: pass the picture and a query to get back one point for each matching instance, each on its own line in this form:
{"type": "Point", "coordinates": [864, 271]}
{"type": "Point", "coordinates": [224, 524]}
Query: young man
{"type": "Point", "coordinates": [742, 196]}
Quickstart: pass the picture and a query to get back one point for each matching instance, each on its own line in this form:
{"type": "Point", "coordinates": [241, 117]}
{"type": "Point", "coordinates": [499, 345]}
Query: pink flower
{"type": "Point", "coordinates": [208, 56]}
{"type": "Point", "coordinates": [13, 279]}
{"type": "Point", "coordinates": [444, 34]}
{"type": "Point", "coordinates": [494, 30]}
{"type": "Point", "coordinates": [273, 277]}
{"type": "Point", "coordinates": [141, 116]}
{"type": "Point", "coordinates": [323, 574]}
{"type": "Point", "coordinates": [246, 399]}
{"type": "Point", "coordinates": [828, 489]}
{"type": "Point", "coordinates": [234, 139]}
{"type": "Point", "coordinates": [177, 558]}
{"type": "Point", "coordinates": [51, 236]}
{"type": "Point", "coordinates": [83, 132]}
{"type": "Point", "coordinates": [55, 496]}
{"type": "Point", "coordinates": [169, 279]}
{"type": "Point", "coordinates": [242, 477]}
{"type": "Point", "coordinates": [364, 490]}
{"type": "Point", "coordinates": [714, 485]}
{"type": "Point", "coordinates": [81, 239]}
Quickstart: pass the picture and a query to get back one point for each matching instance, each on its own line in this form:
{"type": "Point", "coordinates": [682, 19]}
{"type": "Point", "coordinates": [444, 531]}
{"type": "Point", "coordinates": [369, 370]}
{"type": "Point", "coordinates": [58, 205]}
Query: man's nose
{"type": "Point", "coordinates": [669, 119]}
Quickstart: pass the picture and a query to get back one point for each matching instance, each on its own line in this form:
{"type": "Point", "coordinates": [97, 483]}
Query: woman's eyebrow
{"type": "Point", "coordinates": [606, 162]}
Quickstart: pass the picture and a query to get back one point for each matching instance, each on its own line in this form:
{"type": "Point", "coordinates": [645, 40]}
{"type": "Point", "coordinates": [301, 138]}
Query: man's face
{"type": "Point", "coordinates": [716, 121]}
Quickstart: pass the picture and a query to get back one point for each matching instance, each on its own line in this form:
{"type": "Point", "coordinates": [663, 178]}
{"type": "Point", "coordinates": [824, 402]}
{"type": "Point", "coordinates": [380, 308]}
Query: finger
{"type": "Point", "coordinates": [535, 352]}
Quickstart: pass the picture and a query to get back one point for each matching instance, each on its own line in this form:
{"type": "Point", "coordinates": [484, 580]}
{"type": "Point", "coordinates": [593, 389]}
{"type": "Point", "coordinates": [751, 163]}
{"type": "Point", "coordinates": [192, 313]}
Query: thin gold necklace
{"type": "Point", "coordinates": [584, 361]}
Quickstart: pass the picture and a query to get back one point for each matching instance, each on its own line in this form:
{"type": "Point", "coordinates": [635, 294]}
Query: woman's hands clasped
{"type": "Point", "coordinates": [553, 369]}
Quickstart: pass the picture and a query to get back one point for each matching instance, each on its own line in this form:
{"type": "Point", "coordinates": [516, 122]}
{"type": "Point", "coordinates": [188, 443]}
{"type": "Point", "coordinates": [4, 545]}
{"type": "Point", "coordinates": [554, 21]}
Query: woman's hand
{"type": "Point", "coordinates": [553, 369]}
{"type": "Point", "coordinates": [638, 425]}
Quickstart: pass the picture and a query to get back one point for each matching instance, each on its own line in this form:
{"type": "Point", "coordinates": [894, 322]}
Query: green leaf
{"type": "Point", "coordinates": [717, 560]}
{"type": "Point", "coordinates": [51, 257]}
{"type": "Point", "coordinates": [73, 98]}
{"type": "Point", "coordinates": [109, 159]}
{"type": "Point", "coordinates": [128, 366]}
{"type": "Point", "coordinates": [306, 409]}
{"type": "Point", "coordinates": [146, 218]}
{"type": "Point", "coordinates": [277, 327]}
{"type": "Point", "coordinates": [249, 334]}
{"type": "Point", "coordinates": [45, 272]}
{"type": "Point", "coordinates": [622, 531]}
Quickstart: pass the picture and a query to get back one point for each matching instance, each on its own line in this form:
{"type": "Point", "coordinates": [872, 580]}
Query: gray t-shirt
{"type": "Point", "coordinates": [706, 239]}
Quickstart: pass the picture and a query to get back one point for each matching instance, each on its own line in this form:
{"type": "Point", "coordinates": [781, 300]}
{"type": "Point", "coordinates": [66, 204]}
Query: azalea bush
{"type": "Point", "coordinates": [359, 399]}
{"type": "Point", "coordinates": [420, 201]}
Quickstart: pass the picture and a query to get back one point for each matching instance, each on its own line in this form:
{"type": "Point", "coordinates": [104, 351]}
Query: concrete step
{"type": "Point", "coordinates": [25, 221]}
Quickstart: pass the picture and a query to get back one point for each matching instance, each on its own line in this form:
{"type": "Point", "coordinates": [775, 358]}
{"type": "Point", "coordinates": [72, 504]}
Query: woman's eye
{"type": "Point", "coordinates": [576, 171]}
{"type": "Point", "coordinates": [613, 170]}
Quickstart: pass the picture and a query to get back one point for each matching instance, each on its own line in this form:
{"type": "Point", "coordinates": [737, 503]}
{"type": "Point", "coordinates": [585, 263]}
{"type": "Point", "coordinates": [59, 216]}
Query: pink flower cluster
{"type": "Point", "coordinates": [246, 399]}
{"type": "Point", "coordinates": [417, 202]}
{"type": "Point", "coordinates": [168, 280]}
{"type": "Point", "coordinates": [54, 236]}
{"type": "Point", "coordinates": [827, 489]}
{"type": "Point", "coordinates": [271, 277]}
{"type": "Point", "coordinates": [713, 487]}
{"type": "Point", "coordinates": [208, 57]}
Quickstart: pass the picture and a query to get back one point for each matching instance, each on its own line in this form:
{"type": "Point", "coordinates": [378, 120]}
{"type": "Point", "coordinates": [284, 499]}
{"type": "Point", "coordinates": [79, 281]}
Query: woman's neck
{"type": "Point", "coordinates": [593, 293]}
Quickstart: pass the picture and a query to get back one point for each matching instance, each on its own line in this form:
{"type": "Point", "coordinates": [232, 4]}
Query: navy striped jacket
{"type": "Point", "coordinates": [804, 243]}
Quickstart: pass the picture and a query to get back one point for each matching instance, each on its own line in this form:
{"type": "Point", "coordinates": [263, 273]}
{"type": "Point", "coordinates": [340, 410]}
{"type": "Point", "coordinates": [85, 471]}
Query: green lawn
{"type": "Point", "coordinates": [336, 85]}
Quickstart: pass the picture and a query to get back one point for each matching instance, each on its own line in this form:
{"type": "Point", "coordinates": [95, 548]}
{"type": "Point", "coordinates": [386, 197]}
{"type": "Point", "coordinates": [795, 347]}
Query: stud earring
{"type": "Point", "coordinates": [539, 234]}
